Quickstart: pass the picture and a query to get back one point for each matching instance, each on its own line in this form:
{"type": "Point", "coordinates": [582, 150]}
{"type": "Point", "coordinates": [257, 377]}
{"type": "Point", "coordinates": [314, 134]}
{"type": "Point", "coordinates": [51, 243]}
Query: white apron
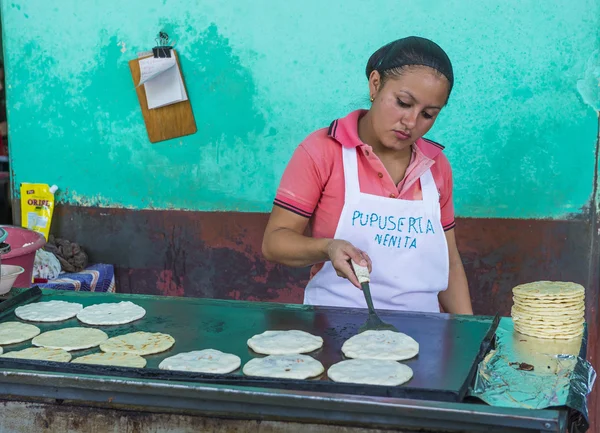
{"type": "Point", "coordinates": [405, 241]}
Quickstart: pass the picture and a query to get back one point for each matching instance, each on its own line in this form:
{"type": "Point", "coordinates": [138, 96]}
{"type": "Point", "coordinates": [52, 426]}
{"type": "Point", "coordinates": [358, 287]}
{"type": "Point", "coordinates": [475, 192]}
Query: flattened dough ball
{"type": "Point", "coordinates": [370, 372]}
{"type": "Point", "coordinates": [202, 361]}
{"type": "Point", "coordinates": [51, 311]}
{"type": "Point", "coordinates": [284, 367]}
{"type": "Point", "coordinates": [17, 332]}
{"type": "Point", "coordinates": [114, 359]}
{"type": "Point", "coordinates": [114, 313]}
{"type": "Point", "coordinates": [384, 345]}
{"type": "Point", "coordinates": [284, 342]}
{"type": "Point", "coordinates": [139, 343]}
{"type": "Point", "coordinates": [70, 339]}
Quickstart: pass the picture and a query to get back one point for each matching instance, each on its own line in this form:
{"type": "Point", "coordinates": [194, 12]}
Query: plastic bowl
{"type": "Point", "coordinates": [9, 275]}
{"type": "Point", "coordinates": [23, 245]}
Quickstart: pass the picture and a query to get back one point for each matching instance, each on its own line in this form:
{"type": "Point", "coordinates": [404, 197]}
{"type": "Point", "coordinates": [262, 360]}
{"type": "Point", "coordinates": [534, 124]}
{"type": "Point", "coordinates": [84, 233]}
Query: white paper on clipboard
{"type": "Point", "coordinates": [162, 81]}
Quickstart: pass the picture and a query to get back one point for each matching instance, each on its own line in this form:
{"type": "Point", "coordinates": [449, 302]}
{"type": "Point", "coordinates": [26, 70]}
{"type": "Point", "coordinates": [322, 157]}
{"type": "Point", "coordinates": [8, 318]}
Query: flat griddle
{"type": "Point", "coordinates": [451, 347]}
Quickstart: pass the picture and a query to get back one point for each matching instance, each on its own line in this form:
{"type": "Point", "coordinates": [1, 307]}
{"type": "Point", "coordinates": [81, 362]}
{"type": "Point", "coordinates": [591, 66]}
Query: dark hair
{"type": "Point", "coordinates": [392, 58]}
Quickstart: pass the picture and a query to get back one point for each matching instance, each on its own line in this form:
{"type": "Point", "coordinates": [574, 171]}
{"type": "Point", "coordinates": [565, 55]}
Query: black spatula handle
{"type": "Point", "coordinates": [367, 292]}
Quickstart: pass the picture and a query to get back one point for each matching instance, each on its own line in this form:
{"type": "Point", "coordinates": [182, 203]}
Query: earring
{"type": "Point", "coordinates": [372, 99]}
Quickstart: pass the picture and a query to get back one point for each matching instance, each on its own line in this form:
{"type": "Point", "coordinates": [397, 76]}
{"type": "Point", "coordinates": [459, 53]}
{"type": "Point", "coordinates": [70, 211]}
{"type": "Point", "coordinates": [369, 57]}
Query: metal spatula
{"type": "Point", "coordinates": [373, 323]}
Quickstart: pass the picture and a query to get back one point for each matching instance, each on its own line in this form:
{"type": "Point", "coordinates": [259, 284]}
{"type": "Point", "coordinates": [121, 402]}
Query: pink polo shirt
{"type": "Point", "coordinates": [313, 182]}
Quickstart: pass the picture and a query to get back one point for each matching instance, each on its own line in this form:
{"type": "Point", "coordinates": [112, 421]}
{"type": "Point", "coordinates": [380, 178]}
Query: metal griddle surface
{"type": "Point", "coordinates": [450, 346]}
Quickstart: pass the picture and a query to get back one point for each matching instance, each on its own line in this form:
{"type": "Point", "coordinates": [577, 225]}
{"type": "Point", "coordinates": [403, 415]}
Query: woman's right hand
{"type": "Point", "coordinates": [340, 253]}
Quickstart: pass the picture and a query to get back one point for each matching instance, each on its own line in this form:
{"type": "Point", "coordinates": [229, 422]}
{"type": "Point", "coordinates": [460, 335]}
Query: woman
{"type": "Point", "coordinates": [371, 189]}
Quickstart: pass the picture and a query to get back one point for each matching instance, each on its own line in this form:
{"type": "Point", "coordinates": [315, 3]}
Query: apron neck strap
{"type": "Point", "coordinates": [350, 158]}
{"type": "Point", "coordinates": [429, 188]}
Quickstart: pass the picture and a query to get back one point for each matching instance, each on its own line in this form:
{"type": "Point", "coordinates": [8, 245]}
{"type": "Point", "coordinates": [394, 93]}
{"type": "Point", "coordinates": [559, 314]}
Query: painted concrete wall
{"type": "Point", "coordinates": [520, 129]}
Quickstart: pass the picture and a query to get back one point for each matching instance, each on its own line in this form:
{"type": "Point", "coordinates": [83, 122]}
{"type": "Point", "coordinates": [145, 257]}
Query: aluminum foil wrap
{"type": "Point", "coordinates": [534, 373]}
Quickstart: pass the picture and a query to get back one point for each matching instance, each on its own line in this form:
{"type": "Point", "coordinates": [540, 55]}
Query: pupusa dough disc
{"type": "Point", "coordinates": [384, 345]}
{"type": "Point", "coordinates": [284, 342]}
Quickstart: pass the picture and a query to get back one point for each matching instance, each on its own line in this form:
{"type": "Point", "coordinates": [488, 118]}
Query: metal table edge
{"type": "Point", "coordinates": [203, 399]}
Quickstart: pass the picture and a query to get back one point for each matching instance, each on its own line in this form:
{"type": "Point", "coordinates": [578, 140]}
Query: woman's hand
{"type": "Point", "coordinates": [340, 253]}
{"type": "Point", "coordinates": [284, 242]}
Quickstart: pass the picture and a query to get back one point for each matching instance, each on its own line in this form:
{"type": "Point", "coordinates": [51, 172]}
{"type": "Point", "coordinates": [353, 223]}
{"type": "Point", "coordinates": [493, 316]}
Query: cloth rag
{"type": "Point", "coordinates": [71, 256]}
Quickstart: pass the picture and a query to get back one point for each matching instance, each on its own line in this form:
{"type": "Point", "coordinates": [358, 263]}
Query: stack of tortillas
{"type": "Point", "coordinates": [549, 309]}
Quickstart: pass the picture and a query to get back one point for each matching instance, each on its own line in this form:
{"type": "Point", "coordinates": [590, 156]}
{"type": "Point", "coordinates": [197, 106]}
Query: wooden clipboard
{"type": "Point", "coordinates": [167, 122]}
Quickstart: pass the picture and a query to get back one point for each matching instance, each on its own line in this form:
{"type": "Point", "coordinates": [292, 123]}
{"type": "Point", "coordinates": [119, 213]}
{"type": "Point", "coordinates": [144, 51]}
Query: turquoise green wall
{"type": "Point", "coordinates": [520, 130]}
